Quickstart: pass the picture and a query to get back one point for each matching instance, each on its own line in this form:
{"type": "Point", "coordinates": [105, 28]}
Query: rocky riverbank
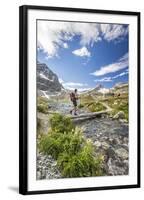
{"type": "Point", "coordinates": [110, 138]}
{"type": "Point", "coordinates": [46, 167]}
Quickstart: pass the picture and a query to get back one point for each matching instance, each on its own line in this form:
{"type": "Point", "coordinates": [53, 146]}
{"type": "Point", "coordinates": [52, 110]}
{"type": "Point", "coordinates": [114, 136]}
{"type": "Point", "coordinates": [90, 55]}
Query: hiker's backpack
{"type": "Point", "coordinates": [72, 96]}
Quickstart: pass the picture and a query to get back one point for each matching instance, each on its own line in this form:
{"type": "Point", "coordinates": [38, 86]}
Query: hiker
{"type": "Point", "coordinates": [74, 98]}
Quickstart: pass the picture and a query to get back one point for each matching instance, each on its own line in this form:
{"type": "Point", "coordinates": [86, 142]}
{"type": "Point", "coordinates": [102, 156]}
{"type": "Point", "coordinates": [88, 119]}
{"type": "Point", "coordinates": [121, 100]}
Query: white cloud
{"type": "Point", "coordinates": [109, 79]}
{"type": "Point", "coordinates": [113, 67]}
{"type": "Point", "coordinates": [72, 84]}
{"type": "Point", "coordinates": [82, 52]}
{"type": "Point", "coordinates": [89, 33]}
{"type": "Point", "coordinates": [79, 89]}
{"type": "Point", "coordinates": [121, 74]}
{"type": "Point", "coordinates": [84, 89]}
{"type": "Point", "coordinates": [54, 35]}
{"type": "Point", "coordinates": [105, 79]}
{"type": "Point", "coordinates": [50, 37]}
{"type": "Point", "coordinates": [113, 31]}
{"type": "Point", "coordinates": [65, 45]}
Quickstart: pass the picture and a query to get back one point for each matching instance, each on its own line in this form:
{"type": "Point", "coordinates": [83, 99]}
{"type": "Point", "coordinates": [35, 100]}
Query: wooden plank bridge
{"type": "Point", "coordinates": [78, 117]}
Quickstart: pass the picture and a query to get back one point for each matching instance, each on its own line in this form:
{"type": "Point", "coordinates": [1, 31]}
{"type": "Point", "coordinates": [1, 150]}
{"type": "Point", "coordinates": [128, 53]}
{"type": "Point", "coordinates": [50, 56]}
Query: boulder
{"type": "Point", "coordinates": [119, 115]}
{"type": "Point", "coordinates": [122, 153]}
{"type": "Point", "coordinates": [111, 153]}
{"type": "Point", "coordinates": [97, 144]}
{"type": "Point", "coordinates": [115, 167]}
{"type": "Point", "coordinates": [123, 121]}
{"type": "Point", "coordinates": [105, 145]}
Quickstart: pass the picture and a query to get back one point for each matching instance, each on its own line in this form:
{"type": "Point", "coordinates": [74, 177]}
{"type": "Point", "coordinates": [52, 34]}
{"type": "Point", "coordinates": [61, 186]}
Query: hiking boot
{"type": "Point", "coordinates": [71, 112]}
{"type": "Point", "coordinates": [75, 114]}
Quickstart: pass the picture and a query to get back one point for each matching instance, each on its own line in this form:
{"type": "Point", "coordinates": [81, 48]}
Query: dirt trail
{"type": "Point", "coordinates": [104, 104]}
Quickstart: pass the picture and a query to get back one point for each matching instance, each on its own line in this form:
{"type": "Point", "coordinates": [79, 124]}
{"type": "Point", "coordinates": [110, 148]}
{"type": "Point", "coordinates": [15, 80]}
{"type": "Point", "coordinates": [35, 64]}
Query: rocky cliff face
{"type": "Point", "coordinates": [47, 81]}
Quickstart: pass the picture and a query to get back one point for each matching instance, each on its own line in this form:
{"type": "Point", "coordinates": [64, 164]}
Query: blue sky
{"type": "Point", "coordinates": [84, 55]}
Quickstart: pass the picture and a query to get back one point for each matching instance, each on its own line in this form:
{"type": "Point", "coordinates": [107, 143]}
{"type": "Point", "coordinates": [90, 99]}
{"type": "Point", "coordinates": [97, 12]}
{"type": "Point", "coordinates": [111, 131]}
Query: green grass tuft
{"type": "Point", "coordinates": [96, 107]}
{"type": "Point", "coordinates": [42, 105]}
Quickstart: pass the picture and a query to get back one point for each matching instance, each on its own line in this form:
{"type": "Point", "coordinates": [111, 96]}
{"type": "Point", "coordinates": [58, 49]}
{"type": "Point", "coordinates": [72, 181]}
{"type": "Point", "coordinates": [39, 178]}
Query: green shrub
{"type": "Point", "coordinates": [42, 100]}
{"type": "Point", "coordinates": [50, 146]}
{"type": "Point", "coordinates": [96, 107]}
{"type": "Point", "coordinates": [124, 108]}
{"type": "Point", "coordinates": [75, 155]}
{"type": "Point", "coordinates": [42, 108]}
{"type": "Point", "coordinates": [82, 164]}
{"type": "Point", "coordinates": [42, 105]}
{"type": "Point", "coordinates": [60, 123]}
{"type": "Point", "coordinates": [71, 166]}
{"type": "Point", "coordinates": [55, 143]}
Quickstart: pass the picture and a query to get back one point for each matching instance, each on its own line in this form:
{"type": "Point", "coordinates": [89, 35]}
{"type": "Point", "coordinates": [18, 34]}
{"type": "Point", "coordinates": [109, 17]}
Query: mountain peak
{"type": "Point", "coordinates": [99, 86]}
{"type": "Point", "coordinates": [47, 80]}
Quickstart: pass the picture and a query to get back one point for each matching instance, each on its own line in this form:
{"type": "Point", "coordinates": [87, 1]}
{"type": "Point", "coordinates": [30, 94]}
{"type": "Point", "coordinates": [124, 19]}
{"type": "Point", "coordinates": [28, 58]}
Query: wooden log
{"type": "Point", "coordinates": [89, 115]}
{"type": "Point", "coordinates": [81, 116]}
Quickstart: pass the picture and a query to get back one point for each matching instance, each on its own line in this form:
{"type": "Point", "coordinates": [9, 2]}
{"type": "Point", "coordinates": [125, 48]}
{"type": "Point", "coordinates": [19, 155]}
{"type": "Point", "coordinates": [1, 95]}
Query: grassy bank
{"type": "Point", "coordinates": [118, 104]}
